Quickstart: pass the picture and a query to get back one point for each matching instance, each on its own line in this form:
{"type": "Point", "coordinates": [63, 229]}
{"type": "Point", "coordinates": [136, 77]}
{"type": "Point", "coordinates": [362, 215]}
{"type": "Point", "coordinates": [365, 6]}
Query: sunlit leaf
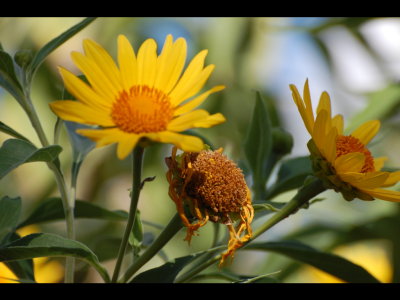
{"type": "Point", "coordinates": [330, 263]}
{"type": "Point", "coordinates": [15, 152]}
{"type": "Point", "coordinates": [50, 245]}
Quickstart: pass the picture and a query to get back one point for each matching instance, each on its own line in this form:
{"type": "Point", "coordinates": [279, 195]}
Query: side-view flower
{"type": "Point", "coordinates": [145, 96]}
{"type": "Point", "coordinates": [344, 162]}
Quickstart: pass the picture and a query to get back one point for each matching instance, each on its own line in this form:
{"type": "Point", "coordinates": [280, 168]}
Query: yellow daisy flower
{"type": "Point", "coordinates": [214, 189]}
{"type": "Point", "coordinates": [145, 96]}
{"type": "Point", "coordinates": [344, 162]}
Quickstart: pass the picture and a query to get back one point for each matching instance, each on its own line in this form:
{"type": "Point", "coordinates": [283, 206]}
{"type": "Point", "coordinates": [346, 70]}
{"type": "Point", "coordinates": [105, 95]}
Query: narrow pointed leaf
{"type": "Point", "coordinates": [50, 245]}
{"type": "Point", "coordinates": [52, 210]}
{"type": "Point", "coordinates": [330, 263]}
{"type": "Point", "coordinates": [55, 43]}
{"type": "Point", "coordinates": [6, 129]}
{"type": "Point", "coordinates": [15, 152]}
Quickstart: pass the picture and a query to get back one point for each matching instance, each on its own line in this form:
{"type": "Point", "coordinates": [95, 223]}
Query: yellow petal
{"type": "Point", "coordinates": [77, 112]}
{"type": "Point", "coordinates": [324, 103]}
{"type": "Point", "coordinates": [210, 121]}
{"type": "Point", "coordinates": [388, 195]}
{"type": "Point", "coordinates": [350, 162]}
{"type": "Point", "coordinates": [127, 62]}
{"type": "Point", "coordinates": [337, 121]}
{"type": "Point", "coordinates": [96, 77]}
{"type": "Point", "coordinates": [104, 61]}
{"type": "Point", "coordinates": [366, 132]}
{"type": "Point", "coordinates": [193, 87]}
{"type": "Point", "coordinates": [186, 121]}
{"type": "Point", "coordinates": [192, 104]}
{"type": "Point", "coordinates": [379, 162]}
{"type": "Point", "coordinates": [184, 142]}
{"type": "Point", "coordinates": [309, 123]}
{"type": "Point", "coordinates": [319, 132]}
{"type": "Point", "coordinates": [307, 101]}
{"type": "Point", "coordinates": [190, 75]}
{"type": "Point", "coordinates": [368, 180]}
{"type": "Point", "coordinates": [170, 64]}
{"type": "Point", "coordinates": [83, 92]}
{"type": "Point", "coordinates": [392, 179]}
{"type": "Point", "coordinates": [147, 63]}
{"type": "Point", "coordinates": [126, 145]}
{"type": "Point", "coordinates": [330, 146]}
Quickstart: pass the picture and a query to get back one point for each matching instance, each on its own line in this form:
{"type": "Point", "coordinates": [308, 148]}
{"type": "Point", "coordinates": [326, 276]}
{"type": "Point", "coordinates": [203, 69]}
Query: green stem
{"type": "Point", "coordinates": [165, 236]}
{"type": "Point", "coordinates": [305, 194]}
{"type": "Point", "coordinates": [137, 159]}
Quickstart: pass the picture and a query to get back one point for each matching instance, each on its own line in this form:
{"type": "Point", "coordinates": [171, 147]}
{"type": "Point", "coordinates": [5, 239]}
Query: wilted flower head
{"type": "Point", "coordinates": [213, 188]}
{"type": "Point", "coordinates": [344, 162]}
{"type": "Point", "coordinates": [145, 96]}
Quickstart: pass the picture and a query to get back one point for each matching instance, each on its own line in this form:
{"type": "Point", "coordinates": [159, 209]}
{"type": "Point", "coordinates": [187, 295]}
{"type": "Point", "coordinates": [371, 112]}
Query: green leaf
{"type": "Point", "coordinates": [291, 175]}
{"type": "Point", "coordinates": [50, 245]}
{"type": "Point", "coordinates": [54, 44]}
{"type": "Point", "coordinates": [377, 109]}
{"type": "Point", "coordinates": [167, 272]}
{"type": "Point", "coordinates": [258, 145]}
{"type": "Point", "coordinates": [6, 129]}
{"type": "Point", "coordinates": [10, 211]}
{"type": "Point", "coordinates": [330, 263]}
{"type": "Point", "coordinates": [136, 235]}
{"type": "Point", "coordinates": [52, 210]}
{"type": "Point", "coordinates": [14, 153]}
{"type": "Point", "coordinates": [8, 78]}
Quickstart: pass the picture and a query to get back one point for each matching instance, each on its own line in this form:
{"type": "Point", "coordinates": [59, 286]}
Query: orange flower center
{"type": "Point", "coordinates": [350, 144]}
{"type": "Point", "coordinates": [142, 109]}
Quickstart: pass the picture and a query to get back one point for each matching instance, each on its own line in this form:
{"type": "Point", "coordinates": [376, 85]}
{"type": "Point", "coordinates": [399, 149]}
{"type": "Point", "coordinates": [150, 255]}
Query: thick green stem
{"type": "Point", "coordinates": [305, 194]}
{"type": "Point", "coordinates": [165, 236]}
{"type": "Point", "coordinates": [137, 159]}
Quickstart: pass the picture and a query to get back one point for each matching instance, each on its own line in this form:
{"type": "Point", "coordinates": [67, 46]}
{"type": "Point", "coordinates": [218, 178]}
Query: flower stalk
{"type": "Point", "coordinates": [137, 161]}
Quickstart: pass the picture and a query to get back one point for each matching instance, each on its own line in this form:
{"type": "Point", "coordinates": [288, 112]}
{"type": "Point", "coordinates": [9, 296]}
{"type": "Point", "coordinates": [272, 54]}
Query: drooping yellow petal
{"type": "Point", "coordinates": [309, 123]}
{"type": "Point", "coordinates": [126, 145]}
{"type": "Point", "coordinates": [368, 180]}
{"type": "Point", "coordinates": [210, 121]}
{"type": "Point", "coordinates": [392, 179]}
{"type": "Point", "coordinates": [147, 63]}
{"type": "Point", "coordinates": [104, 61]}
{"type": "Point", "coordinates": [83, 92]}
{"type": "Point", "coordinates": [388, 195]}
{"type": "Point", "coordinates": [350, 162]}
{"type": "Point", "coordinates": [379, 162]}
{"type": "Point", "coordinates": [98, 81]}
{"type": "Point", "coordinates": [127, 62]}
{"type": "Point", "coordinates": [366, 132]}
{"type": "Point", "coordinates": [192, 104]}
{"type": "Point", "coordinates": [170, 64]}
{"type": "Point", "coordinates": [337, 121]}
{"type": "Point", "coordinates": [78, 112]}
{"type": "Point", "coordinates": [184, 142]}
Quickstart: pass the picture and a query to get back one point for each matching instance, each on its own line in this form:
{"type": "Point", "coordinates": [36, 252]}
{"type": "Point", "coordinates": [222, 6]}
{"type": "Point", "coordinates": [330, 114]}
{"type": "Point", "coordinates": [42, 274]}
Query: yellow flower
{"type": "Point", "coordinates": [145, 96]}
{"type": "Point", "coordinates": [344, 162]}
{"type": "Point", "coordinates": [214, 189]}
{"type": "Point", "coordinates": [46, 270]}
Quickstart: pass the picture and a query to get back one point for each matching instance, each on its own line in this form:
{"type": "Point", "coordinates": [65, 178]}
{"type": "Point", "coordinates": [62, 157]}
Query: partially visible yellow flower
{"type": "Point", "coordinates": [344, 162]}
{"type": "Point", "coordinates": [145, 96]}
{"type": "Point", "coordinates": [213, 188]}
{"type": "Point", "coordinates": [46, 271]}
{"type": "Point", "coordinates": [371, 257]}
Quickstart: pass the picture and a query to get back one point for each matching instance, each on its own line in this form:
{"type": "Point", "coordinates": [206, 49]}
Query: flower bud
{"type": "Point", "coordinates": [23, 58]}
